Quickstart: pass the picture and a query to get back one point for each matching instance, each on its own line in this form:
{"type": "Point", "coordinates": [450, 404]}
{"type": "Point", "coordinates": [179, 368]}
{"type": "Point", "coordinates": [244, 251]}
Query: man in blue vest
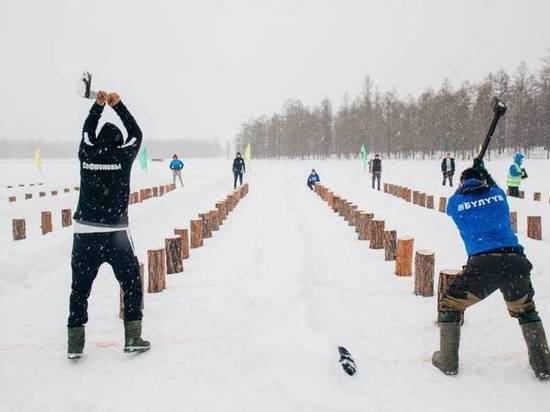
{"type": "Point", "coordinates": [313, 179]}
{"type": "Point", "coordinates": [496, 260]}
{"type": "Point", "coordinates": [175, 166]}
{"type": "Point", "coordinates": [516, 173]}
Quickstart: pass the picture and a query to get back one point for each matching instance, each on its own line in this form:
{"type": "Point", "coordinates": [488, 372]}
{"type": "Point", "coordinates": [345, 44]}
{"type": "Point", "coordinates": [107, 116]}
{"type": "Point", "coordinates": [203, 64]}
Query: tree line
{"type": "Point", "coordinates": [450, 119]}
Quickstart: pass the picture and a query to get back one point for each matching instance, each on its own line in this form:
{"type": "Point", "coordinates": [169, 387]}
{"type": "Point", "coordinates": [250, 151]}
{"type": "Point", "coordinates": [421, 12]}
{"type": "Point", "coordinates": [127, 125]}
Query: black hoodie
{"type": "Point", "coordinates": [105, 167]}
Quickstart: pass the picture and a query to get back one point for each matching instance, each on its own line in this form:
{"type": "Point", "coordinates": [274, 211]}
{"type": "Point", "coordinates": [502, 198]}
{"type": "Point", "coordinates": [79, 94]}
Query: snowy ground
{"type": "Point", "coordinates": [253, 322]}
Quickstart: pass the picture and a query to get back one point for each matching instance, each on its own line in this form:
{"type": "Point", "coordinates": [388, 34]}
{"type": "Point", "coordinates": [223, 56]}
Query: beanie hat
{"type": "Point", "coordinates": [111, 135]}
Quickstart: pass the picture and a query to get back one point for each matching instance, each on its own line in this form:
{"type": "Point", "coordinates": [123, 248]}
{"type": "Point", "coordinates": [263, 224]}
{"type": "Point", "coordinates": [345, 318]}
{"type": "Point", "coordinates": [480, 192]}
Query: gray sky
{"type": "Point", "coordinates": [198, 69]}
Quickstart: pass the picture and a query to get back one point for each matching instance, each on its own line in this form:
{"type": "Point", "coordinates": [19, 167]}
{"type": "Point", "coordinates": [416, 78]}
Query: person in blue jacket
{"type": "Point", "coordinates": [313, 179]}
{"type": "Point", "coordinates": [176, 165]}
{"type": "Point", "coordinates": [496, 260]}
{"type": "Point", "coordinates": [516, 173]}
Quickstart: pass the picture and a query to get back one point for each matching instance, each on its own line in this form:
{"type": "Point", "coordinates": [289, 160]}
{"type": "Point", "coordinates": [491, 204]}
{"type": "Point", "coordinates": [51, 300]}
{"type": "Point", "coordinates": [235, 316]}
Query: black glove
{"type": "Point", "coordinates": [524, 174]}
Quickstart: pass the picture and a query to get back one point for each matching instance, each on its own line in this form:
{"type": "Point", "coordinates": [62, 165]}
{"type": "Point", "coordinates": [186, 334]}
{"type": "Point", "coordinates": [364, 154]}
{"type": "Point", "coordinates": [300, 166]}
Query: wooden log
{"type": "Point", "coordinates": [184, 234]}
{"type": "Point", "coordinates": [365, 232]}
{"type": "Point", "coordinates": [206, 225]}
{"type": "Point", "coordinates": [422, 199]}
{"type": "Point", "coordinates": [514, 221]}
{"type": "Point", "coordinates": [196, 234]}
{"type": "Point", "coordinates": [53, 192]}
{"type": "Point", "coordinates": [386, 188]}
{"type": "Point", "coordinates": [377, 234]}
{"type": "Point", "coordinates": [161, 190]}
{"type": "Point", "coordinates": [429, 201]}
{"type": "Point", "coordinates": [41, 194]}
{"type": "Point", "coordinates": [222, 211]}
{"type": "Point", "coordinates": [214, 216]}
{"type": "Point", "coordinates": [522, 194]}
{"type": "Point", "coordinates": [537, 196]}
{"type": "Point", "coordinates": [342, 207]}
{"type": "Point", "coordinates": [28, 196]}
{"type": "Point", "coordinates": [155, 191]}
{"type": "Point", "coordinates": [66, 190]}
{"type": "Point", "coordinates": [446, 278]}
{"type": "Point", "coordinates": [142, 195]}
{"type": "Point", "coordinates": [534, 227]}
{"type": "Point", "coordinates": [349, 213]}
{"type": "Point", "coordinates": [12, 199]}
{"type": "Point", "coordinates": [76, 188]}
{"type": "Point", "coordinates": [121, 293]}
{"type": "Point", "coordinates": [157, 270]}
{"type": "Point", "coordinates": [174, 262]}
{"type": "Point", "coordinates": [390, 244]}
{"type": "Point", "coordinates": [443, 204]}
{"type": "Point", "coordinates": [424, 264]}
{"type": "Point", "coordinates": [404, 256]}
{"type": "Point", "coordinates": [356, 218]}
{"type": "Point", "coordinates": [415, 196]}
{"type": "Point", "coordinates": [19, 229]}
{"type": "Point", "coordinates": [66, 217]}
{"type": "Point", "coordinates": [46, 222]}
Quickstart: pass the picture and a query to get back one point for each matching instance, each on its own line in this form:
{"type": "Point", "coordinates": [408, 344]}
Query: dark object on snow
{"type": "Point", "coordinates": [133, 341]}
{"type": "Point", "coordinates": [347, 362]}
{"type": "Point", "coordinates": [499, 108]}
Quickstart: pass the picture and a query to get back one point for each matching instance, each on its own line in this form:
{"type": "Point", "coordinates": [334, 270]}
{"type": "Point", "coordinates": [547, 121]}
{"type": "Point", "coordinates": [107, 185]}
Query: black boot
{"type": "Point", "coordinates": [75, 342]}
{"type": "Point", "coordinates": [446, 358]}
{"type": "Point", "coordinates": [537, 347]}
{"type": "Point", "coordinates": [132, 337]}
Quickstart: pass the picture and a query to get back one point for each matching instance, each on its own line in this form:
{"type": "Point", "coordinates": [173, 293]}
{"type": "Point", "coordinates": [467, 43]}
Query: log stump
{"type": "Point", "coordinates": [424, 264]}
{"type": "Point", "coordinates": [66, 190]}
{"type": "Point", "coordinates": [522, 194]}
{"type": "Point", "coordinates": [514, 221]}
{"type": "Point", "coordinates": [390, 244]}
{"type": "Point", "coordinates": [121, 293]}
{"type": "Point", "coordinates": [206, 225]}
{"type": "Point", "coordinates": [41, 194]}
{"type": "Point", "coordinates": [53, 192]}
{"type": "Point", "coordinates": [12, 199]}
{"type": "Point", "coordinates": [46, 222]}
{"type": "Point", "coordinates": [215, 220]}
{"type": "Point", "coordinates": [19, 229]}
{"type": "Point", "coordinates": [377, 234]}
{"type": "Point", "coordinates": [443, 204]}
{"type": "Point", "coordinates": [404, 256]}
{"type": "Point", "coordinates": [173, 248]}
{"type": "Point", "coordinates": [446, 278]}
{"type": "Point", "coordinates": [155, 191]}
{"type": "Point", "coordinates": [76, 188]}
{"type": "Point", "coordinates": [66, 218]}
{"type": "Point", "coordinates": [537, 196]}
{"type": "Point", "coordinates": [28, 196]}
{"type": "Point", "coordinates": [161, 190]}
{"type": "Point", "coordinates": [534, 227]}
{"type": "Point", "coordinates": [196, 234]}
{"type": "Point", "coordinates": [429, 201]}
{"type": "Point", "coordinates": [422, 199]}
{"type": "Point", "coordinates": [365, 234]}
{"type": "Point", "coordinates": [157, 270]}
{"type": "Point", "coordinates": [415, 196]}
{"type": "Point", "coordinates": [184, 234]}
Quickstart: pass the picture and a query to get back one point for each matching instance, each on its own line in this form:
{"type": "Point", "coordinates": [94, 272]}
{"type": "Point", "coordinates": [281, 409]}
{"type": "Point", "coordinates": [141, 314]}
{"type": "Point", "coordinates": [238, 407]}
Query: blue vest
{"type": "Point", "coordinates": [482, 218]}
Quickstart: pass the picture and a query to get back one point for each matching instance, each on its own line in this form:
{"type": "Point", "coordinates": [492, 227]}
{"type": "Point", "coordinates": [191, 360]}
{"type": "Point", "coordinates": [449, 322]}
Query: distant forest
{"type": "Point", "coordinates": [451, 118]}
{"type": "Point", "coordinates": [155, 148]}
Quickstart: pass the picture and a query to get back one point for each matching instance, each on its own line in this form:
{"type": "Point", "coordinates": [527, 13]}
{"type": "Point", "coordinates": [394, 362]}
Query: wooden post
{"type": "Point", "coordinates": [173, 247]}
{"type": "Point", "coordinates": [377, 234]}
{"type": "Point", "coordinates": [206, 225]}
{"type": "Point", "coordinates": [76, 188]}
{"type": "Point", "coordinates": [514, 221]}
{"type": "Point", "coordinates": [390, 244]}
{"type": "Point", "coordinates": [446, 278]}
{"type": "Point", "coordinates": [422, 199]}
{"type": "Point", "coordinates": [536, 196]}
{"type": "Point", "coordinates": [28, 196]}
{"type": "Point", "coordinates": [121, 294]}
{"type": "Point", "coordinates": [429, 201]}
{"type": "Point", "coordinates": [54, 192]}
{"type": "Point", "coordinates": [443, 204]}
{"type": "Point", "coordinates": [66, 218]}
{"type": "Point", "coordinates": [349, 212]}
{"type": "Point", "coordinates": [41, 194]}
{"type": "Point", "coordinates": [522, 194]}
{"type": "Point", "coordinates": [161, 190]}
{"type": "Point", "coordinates": [66, 190]}
{"type": "Point", "coordinates": [157, 270]}
{"type": "Point", "coordinates": [184, 234]}
{"type": "Point", "coordinates": [12, 199]}
{"type": "Point", "coordinates": [366, 227]}
{"type": "Point", "coordinates": [155, 191]}
{"type": "Point", "coordinates": [196, 234]}
{"type": "Point", "coordinates": [214, 220]}
{"type": "Point", "coordinates": [342, 207]}
{"type": "Point", "coordinates": [46, 222]}
{"type": "Point", "coordinates": [424, 264]}
{"type": "Point", "coordinates": [534, 227]}
{"type": "Point", "coordinates": [404, 256]}
{"type": "Point", "coordinates": [19, 229]}
{"type": "Point", "coordinates": [415, 196]}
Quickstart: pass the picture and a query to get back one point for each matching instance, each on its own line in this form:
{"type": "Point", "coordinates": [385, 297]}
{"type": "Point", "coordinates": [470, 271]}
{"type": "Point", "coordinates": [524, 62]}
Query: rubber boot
{"type": "Point", "coordinates": [446, 358]}
{"type": "Point", "coordinates": [537, 347]}
{"type": "Point", "coordinates": [132, 337]}
{"type": "Point", "coordinates": [76, 340]}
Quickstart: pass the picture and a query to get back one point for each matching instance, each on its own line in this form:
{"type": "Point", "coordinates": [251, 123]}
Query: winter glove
{"type": "Point", "coordinates": [524, 174]}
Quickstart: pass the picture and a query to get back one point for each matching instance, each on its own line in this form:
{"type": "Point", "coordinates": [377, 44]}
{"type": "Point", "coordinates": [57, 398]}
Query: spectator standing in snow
{"type": "Point", "coordinates": [516, 173]}
{"type": "Point", "coordinates": [101, 222]}
{"type": "Point", "coordinates": [239, 168]}
{"type": "Point", "coordinates": [313, 179]}
{"type": "Point", "coordinates": [496, 260]}
{"type": "Point", "coordinates": [176, 165]}
{"type": "Point", "coordinates": [448, 169]}
{"type": "Point", "coordinates": [375, 167]}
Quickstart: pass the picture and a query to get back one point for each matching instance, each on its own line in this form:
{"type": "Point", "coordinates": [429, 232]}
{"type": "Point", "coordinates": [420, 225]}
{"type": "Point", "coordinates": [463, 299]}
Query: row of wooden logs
{"type": "Point", "coordinates": [28, 196]}
{"type": "Point", "coordinates": [149, 193]}
{"type": "Point", "coordinates": [400, 250]}
{"type": "Point", "coordinates": [169, 259]}
{"type": "Point", "coordinates": [534, 223]}
{"type": "Point", "coordinates": [23, 185]}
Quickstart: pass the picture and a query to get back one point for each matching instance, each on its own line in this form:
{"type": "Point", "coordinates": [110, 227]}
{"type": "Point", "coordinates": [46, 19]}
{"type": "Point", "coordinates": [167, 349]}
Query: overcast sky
{"type": "Point", "coordinates": [198, 69]}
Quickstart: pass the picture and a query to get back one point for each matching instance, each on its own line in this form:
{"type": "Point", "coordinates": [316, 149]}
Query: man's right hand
{"type": "Point", "coordinates": [113, 99]}
{"type": "Point", "coordinates": [101, 97]}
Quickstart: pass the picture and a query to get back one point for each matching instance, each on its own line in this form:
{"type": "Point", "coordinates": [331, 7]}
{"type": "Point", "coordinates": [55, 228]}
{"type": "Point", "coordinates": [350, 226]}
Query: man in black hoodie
{"type": "Point", "coordinates": [239, 168]}
{"type": "Point", "coordinates": [101, 222]}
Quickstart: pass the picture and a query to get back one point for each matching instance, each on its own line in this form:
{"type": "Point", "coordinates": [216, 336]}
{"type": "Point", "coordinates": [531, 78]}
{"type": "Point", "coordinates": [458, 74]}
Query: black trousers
{"type": "Point", "coordinates": [376, 178]}
{"type": "Point", "coordinates": [482, 275]}
{"type": "Point", "coordinates": [448, 175]}
{"type": "Point", "coordinates": [90, 251]}
{"type": "Point", "coordinates": [237, 175]}
{"type": "Point", "coordinates": [311, 185]}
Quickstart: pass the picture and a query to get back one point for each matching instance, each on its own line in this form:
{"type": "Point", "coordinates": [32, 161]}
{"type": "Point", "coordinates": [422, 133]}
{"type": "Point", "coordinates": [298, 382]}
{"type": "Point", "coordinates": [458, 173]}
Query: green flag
{"type": "Point", "coordinates": [364, 155]}
{"type": "Point", "coordinates": [143, 159]}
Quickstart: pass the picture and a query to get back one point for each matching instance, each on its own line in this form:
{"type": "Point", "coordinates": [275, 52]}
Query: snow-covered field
{"type": "Point", "coordinates": [253, 322]}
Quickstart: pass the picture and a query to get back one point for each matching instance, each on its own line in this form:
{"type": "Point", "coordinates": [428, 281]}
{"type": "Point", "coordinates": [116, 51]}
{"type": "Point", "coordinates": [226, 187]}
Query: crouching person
{"type": "Point", "coordinates": [101, 223]}
{"type": "Point", "coordinates": [496, 260]}
{"type": "Point", "coordinates": [313, 179]}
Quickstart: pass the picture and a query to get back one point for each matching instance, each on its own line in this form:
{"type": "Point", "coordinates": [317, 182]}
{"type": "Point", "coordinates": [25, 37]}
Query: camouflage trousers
{"type": "Point", "coordinates": [484, 274]}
